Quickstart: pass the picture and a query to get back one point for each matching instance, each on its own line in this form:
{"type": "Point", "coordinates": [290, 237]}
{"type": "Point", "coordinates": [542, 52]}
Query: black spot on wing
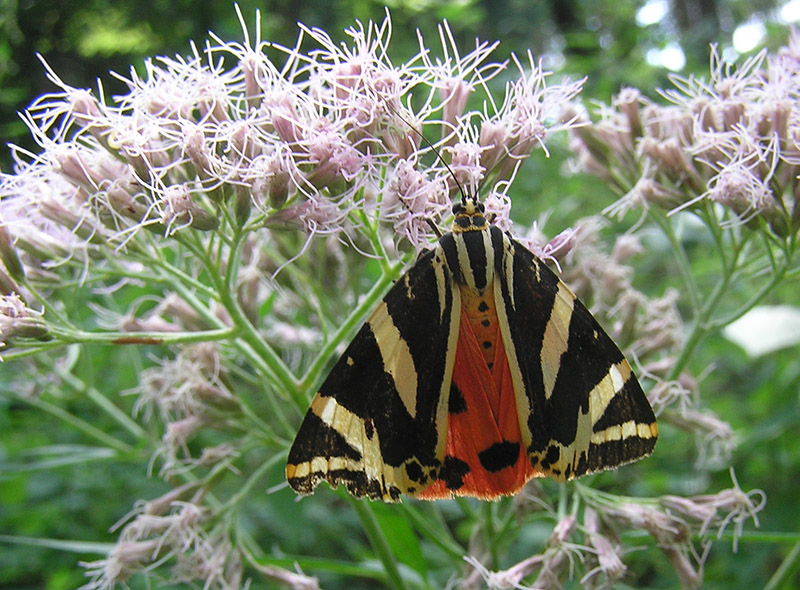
{"type": "Point", "coordinates": [583, 464]}
{"type": "Point", "coordinates": [552, 455]}
{"type": "Point", "coordinates": [415, 472]}
{"type": "Point", "coordinates": [482, 307]}
{"type": "Point", "coordinates": [452, 472]}
{"type": "Point", "coordinates": [457, 403]}
{"type": "Point", "coordinates": [499, 456]}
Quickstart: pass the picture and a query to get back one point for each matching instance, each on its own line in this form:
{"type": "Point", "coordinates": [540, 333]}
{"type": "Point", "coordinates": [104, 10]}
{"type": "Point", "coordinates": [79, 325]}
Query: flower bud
{"type": "Point", "coordinates": [628, 102]}
{"type": "Point", "coordinates": [8, 254]}
{"type": "Point", "coordinates": [7, 284]}
{"type": "Point", "coordinates": [17, 320]}
{"type": "Point", "coordinates": [454, 92]}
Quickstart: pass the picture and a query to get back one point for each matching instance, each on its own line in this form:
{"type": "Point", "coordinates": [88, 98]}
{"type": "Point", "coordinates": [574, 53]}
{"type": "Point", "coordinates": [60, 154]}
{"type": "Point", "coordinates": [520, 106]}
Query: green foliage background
{"type": "Point", "coordinates": [74, 492]}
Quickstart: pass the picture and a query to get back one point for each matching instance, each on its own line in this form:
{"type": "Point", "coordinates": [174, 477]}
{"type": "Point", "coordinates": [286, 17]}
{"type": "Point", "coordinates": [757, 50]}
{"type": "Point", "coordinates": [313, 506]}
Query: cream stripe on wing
{"type": "Point", "coordinates": [397, 359]}
{"type": "Point", "coordinates": [608, 388]}
{"type": "Point", "coordinates": [488, 250]}
{"type": "Point", "coordinates": [463, 260]}
{"type": "Point", "coordinates": [556, 337]}
{"type": "Point", "coordinates": [625, 430]}
{"type": "Point", "coordinates": [508, 267]}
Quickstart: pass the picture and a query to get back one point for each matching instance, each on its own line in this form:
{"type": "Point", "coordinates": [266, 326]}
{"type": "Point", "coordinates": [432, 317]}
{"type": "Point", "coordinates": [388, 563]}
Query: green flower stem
{"type": "Point", "coordinates": [175, 278]}
{"type": "Point", "coordinates": [766, 289]}
{"type": "Point", "coordinates": [782, 578]}
{"type": "Point", "coordinates": [175, 281]}
{"type": "Point", "coordinates": [79, 424]}
{"type": "Point", "coordinates": [234, 260]}
{"type": "Point", "coordinates": [60, 544]}
{"type": "Point", "coordinates": [763, 536]}
{"type": "Point", "coordinates": [163, 338]}
{"type": "Point", "coordinates": [180, 281]}
{"type": "Point", "coordinates": [433, 531]}
{"type": "Point", "coordinates": [702, 323]}
{"type": "Point", "coordinates": [601, 499]}
{"type": "Point", "coordinates": [714, 226]}
{"type": "Point", "coordinates": [373, 234]}
{"type": "Point", "coordinates": [151, 258]}
{"type": "Point", "coordinates": [780, 270]}
{"type": "Point", "coordinates": [252, 479]}
{"type": "Point", "coordinates": [467, 508]}
{"type": "Point", "coordinates": [51, 311]}
{"type": "Point", "coordinates": [278, 371]}
{"type": "Point", "coordinates": [506, 523]}
{"type": "Point", "coordinates": [276, 405]}
{"type": "Point", "coordinates": [230, 287]}
{"type": "Point", "coordinates": [680, 256]}
{"type": "Point", "coordinates": [487, 525]}
{"type": "Point", "coordinates": [98, 398]}
{"type": "Point", "coordinates": [563, 502]}
{"type": "Point", "coordinates": [378, 541]}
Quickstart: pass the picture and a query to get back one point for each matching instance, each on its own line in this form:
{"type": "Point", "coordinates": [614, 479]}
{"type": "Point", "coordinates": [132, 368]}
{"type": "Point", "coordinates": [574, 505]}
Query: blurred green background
{"type": "Point", "coordinates": [612, 43]}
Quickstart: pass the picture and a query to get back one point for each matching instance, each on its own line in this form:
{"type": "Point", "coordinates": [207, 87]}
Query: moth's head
{"type": "Point", "coordinates": [469, 215]}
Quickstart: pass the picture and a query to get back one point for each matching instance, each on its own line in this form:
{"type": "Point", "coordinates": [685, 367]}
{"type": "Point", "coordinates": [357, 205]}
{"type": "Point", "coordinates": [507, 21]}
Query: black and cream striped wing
{"type": "Point", "coordinates": [378, 423]}
{"type": "Point", "coordinates": [581, 408]}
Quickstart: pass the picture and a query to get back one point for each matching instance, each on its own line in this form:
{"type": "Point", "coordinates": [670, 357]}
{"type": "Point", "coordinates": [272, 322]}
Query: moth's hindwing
{"type": "Point", "coordinates": [378, 423]}
{"type": "Point", "coordinates": [581, 408]}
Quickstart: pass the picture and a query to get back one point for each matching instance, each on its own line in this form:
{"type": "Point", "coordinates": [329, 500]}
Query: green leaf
{"type": "Point", "coordinates": [400, 536]}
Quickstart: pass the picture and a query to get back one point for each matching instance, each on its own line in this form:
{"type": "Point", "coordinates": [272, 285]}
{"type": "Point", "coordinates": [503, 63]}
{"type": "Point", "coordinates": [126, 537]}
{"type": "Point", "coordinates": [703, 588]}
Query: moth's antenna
{"type": "Point", "coordinates": [435, 151]}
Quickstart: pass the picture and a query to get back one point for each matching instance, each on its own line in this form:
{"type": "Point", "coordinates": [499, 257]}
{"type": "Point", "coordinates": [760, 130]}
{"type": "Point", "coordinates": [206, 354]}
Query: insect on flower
{"type": "Point", "coordinates": [478, 371]}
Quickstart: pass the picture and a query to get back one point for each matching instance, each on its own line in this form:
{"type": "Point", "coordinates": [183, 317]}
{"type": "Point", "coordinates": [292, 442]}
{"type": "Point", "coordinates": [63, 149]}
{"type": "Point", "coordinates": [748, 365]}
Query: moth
{"type": "Point", "coordinates": [478, 371]}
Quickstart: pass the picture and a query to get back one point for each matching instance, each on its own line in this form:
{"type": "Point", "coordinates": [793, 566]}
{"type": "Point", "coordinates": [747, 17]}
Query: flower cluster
{"type": "Point", "coordinates": [731, 140]}
{"type": "Point", "coordinates": [671, 522]}
{"type": "Point", "coordinates": [307, 142]}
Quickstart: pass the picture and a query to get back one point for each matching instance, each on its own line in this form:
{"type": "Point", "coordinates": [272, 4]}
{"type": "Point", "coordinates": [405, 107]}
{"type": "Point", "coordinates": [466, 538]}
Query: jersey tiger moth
{"type": "Point", "coordinates": [478, 371]}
